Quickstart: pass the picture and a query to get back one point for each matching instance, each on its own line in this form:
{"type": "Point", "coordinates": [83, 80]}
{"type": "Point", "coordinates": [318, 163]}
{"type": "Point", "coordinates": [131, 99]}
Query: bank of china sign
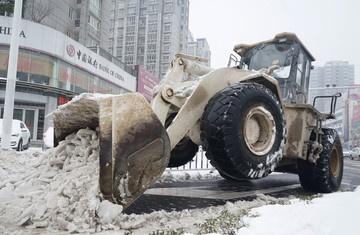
{"type": "Point", "coordinates": [49, 41]}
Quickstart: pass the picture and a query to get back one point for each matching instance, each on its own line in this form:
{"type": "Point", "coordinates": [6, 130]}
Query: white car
{"type": "Point", "coordinates": [20, 135]}
{"type": "Point", "coordinates": [355, 153]}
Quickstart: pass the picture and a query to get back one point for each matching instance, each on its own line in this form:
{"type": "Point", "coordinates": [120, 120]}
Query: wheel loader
{"type": "Point", "coordinates": [252, 118]}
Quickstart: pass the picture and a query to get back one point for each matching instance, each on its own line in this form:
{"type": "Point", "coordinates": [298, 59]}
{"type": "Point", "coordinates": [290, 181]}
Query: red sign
{"type": "Point", "coordinates": [146, 82]}
{"type": "Point", "coordinates": [356, 113]}
{"type": "Point", "coordinates": [354, 93]}
{"type": "Point", "coordinates": [63, 100]}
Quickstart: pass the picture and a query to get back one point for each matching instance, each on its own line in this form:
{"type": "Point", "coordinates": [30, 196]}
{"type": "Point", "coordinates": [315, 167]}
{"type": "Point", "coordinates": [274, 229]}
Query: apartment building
{"type": "Point", "coordinates": [85, 21]}
{"type": "Point", "coordinates": [199, 48]}
{"type": "Point", "coordinates": [148, 32]}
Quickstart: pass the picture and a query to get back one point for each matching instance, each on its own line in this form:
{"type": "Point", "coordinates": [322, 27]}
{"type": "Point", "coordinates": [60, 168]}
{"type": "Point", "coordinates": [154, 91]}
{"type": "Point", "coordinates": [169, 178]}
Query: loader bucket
{"type": "Point", "coordinates": [134, 145]}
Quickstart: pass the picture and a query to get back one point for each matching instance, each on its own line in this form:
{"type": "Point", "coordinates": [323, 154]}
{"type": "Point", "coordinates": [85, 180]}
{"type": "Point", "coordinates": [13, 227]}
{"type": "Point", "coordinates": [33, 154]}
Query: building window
{"type": "Point", "coordinates": [130, 40]}
{"type": "Point", "coordinates": [121, 13]}
{"type": "Point", "coordinates": [95, 7]}
{"type": "Point", "coordinates": [164, 68]}
{"type": "Point", "coordinates": [129, 50]}
{"type": "Point", "coordinates": [71, 12]}
{"type": "Point", "coordinates": [152, 38]}
{"type": "Point", "coordinates": [131, 11]}
{"type": "Point", "coordinates": [121, 5]}
{"type": "Point", "coordinates": [91, 42]}
{"type": "Point", "coordinates": [131, 20]}
{"type": "Point", "coordinates": [153, 8]}
{"type": "Point", "coordinates": [120, 32]}
{"type": "Point", "coordinates": [143, 11]}
{"type": "Point", "coordinates": [142, 21]}
{"type": "Point", "coordinates": [129, 60]}
{"type": "Point", "coordinates": [152, 28]}
{"type": "Point", "coordinates": [76, 36]}
{"type": "Point", "coordinates": [153, 18]}
{"type": "Point", "coordinates": [132, 2]}
{"type": "Point", "coordinates": [141, 60]}
{"type": "Point", "coordinates": [167, 18]}
{"type": "Point", "coordinates": [151, 68]}
{"type": "Point", "coordinates": [141, 40]}
{"type": "Point", "coordinates": [142, 31]}
{"type": "Point", "coordinates": [151, 48]}
{"type": "Point", "coordinates": [166, 58]}
{"type": "Point", "coordinates": [151, 58]}
{"type": "Point", "coordinates": [167, 28]}
{"type": "Point", "coordinates": [130, 30]}
{"type": "Point", "coordinates": [141, 51]}
{"type": "Point", "coordinates": [166, 38]}
{"type": "Point", "coordinates": [119, 52]}
{"type": "Point", "coordinates": [77, 17]}
{"type": "Point", "coordinates": [94, 26]}
{"type": "Point", "coordinates": [168, 8]}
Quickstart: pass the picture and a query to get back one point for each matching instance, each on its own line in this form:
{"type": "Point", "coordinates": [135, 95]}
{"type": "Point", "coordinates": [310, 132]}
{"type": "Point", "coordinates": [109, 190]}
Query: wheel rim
{"type": "Point", "coordinates": [335, 162]}
{"type": "Point", "coordinates": [259, 130]}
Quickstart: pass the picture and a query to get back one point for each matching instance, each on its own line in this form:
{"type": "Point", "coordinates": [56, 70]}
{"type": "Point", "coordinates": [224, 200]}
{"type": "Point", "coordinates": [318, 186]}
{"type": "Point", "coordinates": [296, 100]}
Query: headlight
{"type": "Point", "coordinates": [16, 135]}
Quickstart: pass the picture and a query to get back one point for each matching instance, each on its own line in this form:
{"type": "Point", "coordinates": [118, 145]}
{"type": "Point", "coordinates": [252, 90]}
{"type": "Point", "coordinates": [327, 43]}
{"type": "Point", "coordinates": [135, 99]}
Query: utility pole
{"type": "Point", "coordinates": [11, 77]}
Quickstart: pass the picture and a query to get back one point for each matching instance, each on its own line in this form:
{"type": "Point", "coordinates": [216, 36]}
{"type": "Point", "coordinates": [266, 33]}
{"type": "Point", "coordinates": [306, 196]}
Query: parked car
{"type": "Point", "coordinates": [346, 153]}
{"type": "Point", "coordinates": [48, 139]}
{"type": "Point", "coordinates": [20, 135]}
{"type": "Point", "coordinates": [355, 153]}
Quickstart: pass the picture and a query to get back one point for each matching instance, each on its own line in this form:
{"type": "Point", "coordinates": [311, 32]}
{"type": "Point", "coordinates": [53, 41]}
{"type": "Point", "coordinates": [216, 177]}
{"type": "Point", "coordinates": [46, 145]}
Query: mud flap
{"type": "Point", "coordinates": [134, 145]}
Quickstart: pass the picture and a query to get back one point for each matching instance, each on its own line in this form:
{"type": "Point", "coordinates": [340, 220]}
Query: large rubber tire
{"type": "Point", "coordinates": [20, 146]}
{"type": "Point", "coordinates": [184, 151]}
{"type": "Point", "coordinates": [325, 176]}
{"type": "Point", "coordinates": [27, 145]}
{"type": "Point", "coordinates": [243, 131]}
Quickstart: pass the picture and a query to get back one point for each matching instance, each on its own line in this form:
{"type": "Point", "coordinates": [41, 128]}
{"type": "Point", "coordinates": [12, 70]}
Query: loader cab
{"type": "Point", "coordinates": [287, 52]}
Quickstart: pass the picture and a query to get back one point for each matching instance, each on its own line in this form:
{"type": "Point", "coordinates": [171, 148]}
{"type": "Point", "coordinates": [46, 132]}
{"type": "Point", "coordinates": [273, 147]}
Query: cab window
{"type": "Point", "coordinates": [300, 68]}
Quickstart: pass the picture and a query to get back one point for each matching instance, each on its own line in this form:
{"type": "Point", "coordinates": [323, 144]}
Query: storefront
{"type": "Point", "coordinates": [52, 69]}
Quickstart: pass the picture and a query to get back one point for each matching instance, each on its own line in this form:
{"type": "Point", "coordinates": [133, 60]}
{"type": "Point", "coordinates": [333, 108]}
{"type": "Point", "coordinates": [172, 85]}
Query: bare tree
{"type": "Point", "coordinates": [39, 9]}
{"type": "Point", "coordinates": [6, 7]}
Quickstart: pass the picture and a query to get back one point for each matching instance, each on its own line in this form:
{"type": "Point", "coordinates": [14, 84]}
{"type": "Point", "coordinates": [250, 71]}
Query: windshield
{"type": "Point", "coordinates": [266, 55]}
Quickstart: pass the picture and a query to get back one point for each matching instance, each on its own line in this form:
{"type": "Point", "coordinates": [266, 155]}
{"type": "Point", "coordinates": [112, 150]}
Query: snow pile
{"type": "Point", "coordinates": [59, 190]}
{"type": "Point", "coordinates": [56, 190]}
{"type": "Point", "coordinates": [335, 213]}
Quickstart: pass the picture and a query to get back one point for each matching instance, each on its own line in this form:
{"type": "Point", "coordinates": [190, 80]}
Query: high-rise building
{"type": "Point", "coordinates": [149, 32]}
{"type": "Point", "coordinates": [86, 21]}
{"type": "Point", "coordinates": [199, 48]}
{"type": "Point", "coordinates": [328, 80]}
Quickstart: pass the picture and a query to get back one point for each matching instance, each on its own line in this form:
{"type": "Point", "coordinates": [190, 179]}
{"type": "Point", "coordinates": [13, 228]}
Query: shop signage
{"type": "Point", "coordinates": [46, 40]}
{"type": "Point", "coordinates": [7, 31]}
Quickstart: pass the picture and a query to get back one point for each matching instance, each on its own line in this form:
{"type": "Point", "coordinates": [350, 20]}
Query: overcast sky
{"type": "Point", "coordinates": [330, 29]}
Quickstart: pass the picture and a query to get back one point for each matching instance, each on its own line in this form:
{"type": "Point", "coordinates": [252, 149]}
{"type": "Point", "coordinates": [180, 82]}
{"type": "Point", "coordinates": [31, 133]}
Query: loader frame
{"type": "Point", "coordinates": [188, 86]}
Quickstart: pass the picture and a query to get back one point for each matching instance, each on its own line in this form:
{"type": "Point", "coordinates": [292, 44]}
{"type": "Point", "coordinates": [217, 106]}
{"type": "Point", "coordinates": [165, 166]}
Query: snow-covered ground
{"type": "Point", "coordinates": [57, 191]}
